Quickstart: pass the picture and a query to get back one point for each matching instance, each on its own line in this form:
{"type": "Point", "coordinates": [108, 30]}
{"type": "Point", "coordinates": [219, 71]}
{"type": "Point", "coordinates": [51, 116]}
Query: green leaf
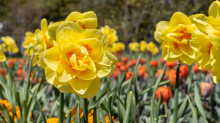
{"type": "Point", "coordinates": [166, 112]}
{"type": "Point", "coordinates": [28, 80]}
{"type": "Point", "coordinates": [38, 119]}
{"type": "Point", "coordinates": [42, 112]}
{"type": "Point", "coordinates": [120, 83]}
{"type": "Point", "coordinates": [101, 98]}
{"type": "Point", "coordinates": [102, 116]}
{"type": "Point", "coordinates": [198, 102]}
{"type": "Point", "coordinates": [53, 109]}
{"type": "Point", "coordinates": [110, 109]}
{"type": "Point", "coordinates": [158, 108]}
{"type": "Point", "coordinates": [119, 100]}
{"type": "Point", "coordinates": [61, 107]}
{"type": "Point", "coordinates": [182, 108]}
{"type": "Point", "coordinates": [78, 113]}
{"type": "Point", "coordinates": [130, 109]}
{"type": "Point", "coordinates": [96, 116]}
{"type": "Point", "coordinates": [68, 119]}
{"type": "Point", "coordinates": [121, 111]}
{"type": "Point", "coordinates": [135, 75]}
{"type": "Point", "coordinates": [154, 94]}
{"type": "Point", "coordinates": [192, 109]}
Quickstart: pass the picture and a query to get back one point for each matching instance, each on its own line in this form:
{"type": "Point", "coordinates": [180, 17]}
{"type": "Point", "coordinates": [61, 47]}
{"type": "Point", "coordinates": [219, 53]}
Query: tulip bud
{"type": "Point", "coordinates": [119, 64]}
{"type": "Point", "coordinates": [142, 60]}
{"type": "Point", "coordinates": [172, 77]}
{"type": "Point", "coordinates": [205, 89]}
{"type": "Point", "coordinates": [165, 92]}
{"type": "Point", "coordinates": [170, 65]}
{"type": "Point", "coordinates": [124, 59]}
{"type": "Point", "coordinates": [183, 71]}
{"type": "Point", "coordinates": [157, 74]}
{"type": "Point", "coordinates": [146, 76]}
{"type": "Point", "coordinates": [129, 75]}
{"type": "Point", "coordinates": [154, 63]}
{"type": "Point", "coordinates": [196, 68]}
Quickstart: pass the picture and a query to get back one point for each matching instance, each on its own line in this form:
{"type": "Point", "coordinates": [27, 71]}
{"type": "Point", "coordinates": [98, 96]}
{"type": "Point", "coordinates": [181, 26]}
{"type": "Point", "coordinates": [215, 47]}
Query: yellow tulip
{"type": "Point", "coordinates": [117, 47]}
{"type": "Point", "coordinates": [110, 34]}
{"type": "Point", "coordinates": [175, 37]}
{"type": "Point", "coordinates": [133, 46]}
{"type": "Point", "coordinates": [87, 20]}
{"type": "Point", "coordinates": [9, 45]}
{"type": "Point", "coordinates": [143, 46]}
{"type": "Point", "coordinates": [206, 40]}
{"type": "Point", "coordinates": [155, 51]}
{"type": "Point", "coordinates": [78, 61]}
{"type": "Point", "coordinates": [151, 46]}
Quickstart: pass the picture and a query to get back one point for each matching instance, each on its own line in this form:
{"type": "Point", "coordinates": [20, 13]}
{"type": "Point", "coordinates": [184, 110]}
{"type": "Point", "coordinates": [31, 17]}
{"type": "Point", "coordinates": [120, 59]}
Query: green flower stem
{"type": "Point", "coordinates": [85, 110]}
{"type": "Point", "coordinates": [61, 107]}
{"type": "Point", "coordinates": [176, 94]}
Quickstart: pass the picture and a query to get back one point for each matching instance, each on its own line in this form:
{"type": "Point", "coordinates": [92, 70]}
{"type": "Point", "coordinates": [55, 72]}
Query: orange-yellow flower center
{"type": "Point", "coordinates": [88, 48]}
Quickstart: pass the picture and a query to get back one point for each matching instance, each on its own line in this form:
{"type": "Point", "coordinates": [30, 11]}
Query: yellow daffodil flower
{"type": "Point", "coordinates": [133, 46]}
{"type": "Point", "coordinates": [87, 20]}
{"type": "Point", "coordinates": [29, 42]}
{"type": "Point", "coordinates": [155, 50]}
{"type": "Point", "coordinates": [78, 61]}
{"type": "Point", "coordinates": [175, 37]}
{"type": "Point", "coordinates": [110, 34]}
{"type": "Point", "coordinates": [143, 46]}
{"type": "Point", "coordinates": [117, 47]}
{"type": "Point", "coordinates": [151, 46]}
{"type": "Point", "coordinates": [206, 41]}
{"type": "Point", "coordinates": [9, 45]}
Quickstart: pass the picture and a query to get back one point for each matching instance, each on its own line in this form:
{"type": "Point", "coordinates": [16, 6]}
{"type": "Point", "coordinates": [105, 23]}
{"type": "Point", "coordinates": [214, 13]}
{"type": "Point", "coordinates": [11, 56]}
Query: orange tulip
{"type": "Point", "coordinates": [124, 68]}
{"type": "Point", "coordinates": [10, 63]}
{"type": "Point", "coordinates": [22, 61]}
{"type": "Point", "coordinates": [205, 89]}
{"type": "Point", "coordinates": [2, 71]}
{"type": "Point", "coordinates": [119, 64]}
{"type": "Point", "coordinates": [129, 75]}
{"type": "Point", "coordinates": [204, 71]}
{"type": "Point", "coordinates": [142, 60]}
{"type": "Point", "coordinates": [172, 77]}
{"type": "Point", "coordinates": [183, 71]}
{"type": "Point", "coordinates": [20, 66]}
{"type": "Point", "coordinates": [170, 64]}
{"type": "Point", "coordinates": [146, 76]}
{"type": "Point", "coordinates": [162, 61]}
{"type": "Point", "coordinates": [115, 73]}
{"type": "Point", "coordinates": [166, 76]}
{"type": "Point", "coordinates": [165, 92]}
{"type": "Point", "coordinates": [19, 72]}
{"type": "Point", "coordinates": [124, 59]}
{"type": "Point", "coordinates": [196, 68]}
{"type": "Point", "coordinates": [154, 63]}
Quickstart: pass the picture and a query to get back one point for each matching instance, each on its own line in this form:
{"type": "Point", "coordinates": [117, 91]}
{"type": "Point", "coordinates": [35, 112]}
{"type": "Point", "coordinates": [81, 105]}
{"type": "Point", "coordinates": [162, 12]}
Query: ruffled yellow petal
{"type": "Point", "coordinates": [179, 18]}
{"type": "Point", "coordinates": [51, 57]}
{"type": "Point", "coordinates": [160, 28]}
{"type": "Point", "coordinates": [186, 60]}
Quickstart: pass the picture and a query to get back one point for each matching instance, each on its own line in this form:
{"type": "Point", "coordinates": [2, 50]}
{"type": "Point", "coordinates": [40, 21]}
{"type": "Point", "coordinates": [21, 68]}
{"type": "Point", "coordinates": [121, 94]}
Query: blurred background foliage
{"type": "Point", "coordinates": [134, 20]}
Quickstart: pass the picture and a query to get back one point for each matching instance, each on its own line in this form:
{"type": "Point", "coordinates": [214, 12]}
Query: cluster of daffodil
{"type": "Point", "coordinates": [8, 46]}
{"type": "Point", "coordinates": [144, 46]}
{"type": "Point", "coordinates": [73, 53]}
{"type": "Point", "coordinates": [194, 38]}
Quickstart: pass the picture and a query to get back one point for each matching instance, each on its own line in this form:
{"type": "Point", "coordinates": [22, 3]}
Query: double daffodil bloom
{"type": "Point", "coordinates": [110, 34]}
{"type": "Point", "coordinates": [143, 46]}
{"type": "Point", "coordinates": [87, 20]}
{"type": "Point", "coordinates": [78, 61]}
{"type": "Point", "coordinates": [206, 41]}
{"type": "Point", "coordinates": [9, 45]}
{"type": "Point", "coordinates": [117, 47]}
{"type": "Point", "coordinates": [30, 41]}
{"type": "Point", "coordinates": [175, 37]}
{"type": "Point", "coordinates": [151, 46]}
{"type": "Point", "coordinates": [134, 47]}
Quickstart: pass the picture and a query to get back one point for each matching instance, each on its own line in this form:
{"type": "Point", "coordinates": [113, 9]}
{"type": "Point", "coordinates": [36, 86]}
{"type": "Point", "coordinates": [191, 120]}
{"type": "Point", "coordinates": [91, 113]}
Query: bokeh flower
{"type": "Point", "coordinates": [117, 47]}
{"type": "Point", "coordinates": [78, 61]}
{"type": "Point", "coordinates": [154, 63]}
{"type": "Point", "coordinates": [110, 34]}
{"type": "Point", "coordinates": [151, 46]}
{"type": "Point", "coordinates": [143, 46]}
{"type": "Point", "coordinates": [134, 47]}
{"type": "Point", "coordinates": [205, 89]}
{"type": "Point", "coordinates": [9, 45]}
